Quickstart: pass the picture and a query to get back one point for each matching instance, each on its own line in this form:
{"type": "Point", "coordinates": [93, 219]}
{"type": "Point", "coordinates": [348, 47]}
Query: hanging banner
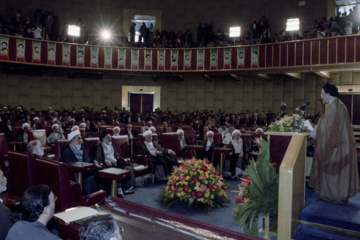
{"type": "Point", "coordinates": [174, 60]}
{"type": "Point", "coordinates": [148, 59]}
{"type": "Point", "coordinates": [240, 57]}
{"type": "Point", "coordinates": [4, 51]}
{"type": "Point", "coordinates": [107, 60]}
{"type": "Point", "coordinates": [65, 55]}
{"type": "Point", "coordinates": [187, 60]}
{"type": "Point", "coordinates": [94, 57]}
{"type": "Point", "coordinates": [20, 50]}
{"type": "Point", "coordinates": [36, 52]}
{"type": "Point", "coordinates": [213, 59]}
{"type": "Point", "coordinates": [121, 60]}
{"type": "Point", "coordinates": [227, 58]}
{"type": "Point", "coordinates": [80, 56]}
{"type": "Point", "coordinates": [161, 60]}
{"type": "Point", "coordinates": [254, 57]}
{"type": "Point", "coordinates": [134, 58]}
{"type": "Point", "coordinates": [200, 59]}
{"type": "Point", "coordinates": [51, 53]}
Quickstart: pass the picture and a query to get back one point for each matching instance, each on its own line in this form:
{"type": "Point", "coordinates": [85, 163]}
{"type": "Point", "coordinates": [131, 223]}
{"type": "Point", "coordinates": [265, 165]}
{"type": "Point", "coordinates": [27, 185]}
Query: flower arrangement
{"type": "Point", "coordinates": [258, 192]}
{"type": "Point", "coordinates": [289, 123]}
{"type": "Point", "coordinates": [197, 183]}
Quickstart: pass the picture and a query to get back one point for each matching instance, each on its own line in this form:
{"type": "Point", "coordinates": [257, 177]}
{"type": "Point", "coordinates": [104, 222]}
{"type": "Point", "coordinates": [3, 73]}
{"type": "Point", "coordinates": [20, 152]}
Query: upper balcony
{"type": "Point", "coordinates": [318, 55]}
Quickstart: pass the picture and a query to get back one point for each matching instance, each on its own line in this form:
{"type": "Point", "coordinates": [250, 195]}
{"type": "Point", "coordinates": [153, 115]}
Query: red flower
{"type": "Point", "coordinates": [198, 194]}
{"type": "Point", "coordinates": [193, 194]}
{"type": "Point", "coordinates": [203, 168]}
{"type": "Point", "coordinates": [195, 180]}
{"type": "Point", "coordinates": [223, 188]}
{"type": "Point", "coordinates": [182, 177]}
{"type": "Point", "coordinates": [246, 181]}
{"type": "Point", "coordinates": [207, 162]}
{"type": "Point", "coordinates": [172, 182]}
{"type": "Point", "coordinates": [186, 189]}
{"type": "Point", "coordinates": [211, 187]}
{"type": "Point", "coordinates": [239, 200]}
{"type": "Point", "coordinates": [175, 189]}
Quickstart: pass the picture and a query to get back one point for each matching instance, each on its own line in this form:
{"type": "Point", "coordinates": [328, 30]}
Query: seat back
{"type": "Point", "coordinates": [3, 146]}
{"type": "Point", "coordinates": [59, 148]}
{"type": "Point", "coordinates": [218, 138]}
{"type": "Point", "coordinates": [90, 145]}
{"type": "Point", "coordinates": [171, 141]}
{"type": "Point", "coordinates": [139, 141]}
{"type": "Point", "coordinates": [48, 130]}
{"type": "Point", "coordinates": [22, 172]}
{"type": "Point", "coordinates": [121, 144]}
{"type": "Point", "coordinates": [190, 134]}
{"type": "Point", "coordinates": [40, 135]}
{"type": "Point", "coordinates": [15, 131]}
{"type": "Point", "coordinates": [55, 174]}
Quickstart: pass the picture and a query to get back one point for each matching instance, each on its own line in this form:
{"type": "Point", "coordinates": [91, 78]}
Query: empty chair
{"type": "Point", "coordinates": [59, 148]}
{"type": "Point", "coordinates": [55, 174]}
{"type": "Point", "coordinates": [40, 135]}
{"type": "Point", "coordinates": [172, 141]}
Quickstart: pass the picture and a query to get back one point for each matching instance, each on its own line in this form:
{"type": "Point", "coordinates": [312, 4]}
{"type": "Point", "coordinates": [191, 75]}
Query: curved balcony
{"type": "Point", "coordinates": [296, 56]}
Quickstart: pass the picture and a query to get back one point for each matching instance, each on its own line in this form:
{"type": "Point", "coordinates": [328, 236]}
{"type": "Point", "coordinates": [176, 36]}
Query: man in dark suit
{"type": "Point", "coordinates": [209, 144]}
{"type": "Point", "coordinates": [132, 133]}
{"type": "Point", "coordinates": [7, 128]}
{"type": "Point", "coordinates": [7, 220]}
{"type": "Point", "coordinates": [160, 156]}
{"type": "Point", "coordinates": [75, 152]}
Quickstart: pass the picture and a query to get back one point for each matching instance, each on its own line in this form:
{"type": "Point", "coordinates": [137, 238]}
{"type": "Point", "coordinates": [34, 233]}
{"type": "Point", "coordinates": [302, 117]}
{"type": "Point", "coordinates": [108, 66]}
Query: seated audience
{"type": "Point", "coordinates": [116, 131]}
{"type": "Point", "coordinates": [23, 135]}
{"type": "Point", "coordinates": [38, 206]}
{"type": "Point", "coordinates": [75, 152]}
{"type": "Point", "coordinates": [7, 220]}
{"type": "Point", "coordinates": [35, 148]}
{"type": "Point", "coordinates": [56, 134]}
{"type": "Point", "coordinates": [237, 152]}
{"type": "Point", "coordinates": [101, 227]}
{"type": "Point", "coordinates": [209, 144]}
{"type": "Point", "coordinates": [107, 155]}
{"type": "Point", "coordinates": [160, 156]}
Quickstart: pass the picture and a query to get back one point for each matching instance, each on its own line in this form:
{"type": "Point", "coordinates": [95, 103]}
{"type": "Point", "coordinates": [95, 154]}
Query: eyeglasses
{"type": "Point", "coordinates": [55, 198]}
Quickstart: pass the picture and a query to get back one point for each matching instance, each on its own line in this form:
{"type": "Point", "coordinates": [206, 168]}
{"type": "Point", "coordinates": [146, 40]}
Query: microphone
{"type": "Point", "coordinates": [302, 107]}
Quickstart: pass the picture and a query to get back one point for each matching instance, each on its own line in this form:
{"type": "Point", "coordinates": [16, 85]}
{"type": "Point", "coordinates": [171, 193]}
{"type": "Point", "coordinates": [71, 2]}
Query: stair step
{"type": "Point", "coordinates": [308, 232]}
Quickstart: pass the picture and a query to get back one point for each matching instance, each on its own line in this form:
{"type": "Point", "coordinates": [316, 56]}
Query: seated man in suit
{"type": "Point", "coordinates": [38, 204]}
{"type": "Point", "coordinates": [7, 128]}
{"type": "Point", "coordinates": [56, 134]}
{"type": "Point", "coordinates": [23, 135]}
{"type": "Point", "coordinates": [132, 134]}
{"type": "Point", "coordinates": [7, 220]}
{"type": "Point", "coordinates": [209, 144]}
{"type": "Point", "coordinates": [101, 227]}
{"type": "Point", "coordinates": [160, 155]}
{"type": "Point", "coordinates": [107, 155]}
{"type": "Point", "coordinates": [76, 152]}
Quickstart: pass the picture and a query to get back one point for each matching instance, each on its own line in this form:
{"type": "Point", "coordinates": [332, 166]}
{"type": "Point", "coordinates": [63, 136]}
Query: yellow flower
{"type": "Point", "coordinates": [197, 183]}
{"type": "Point", "coordinates": [207, 194]}
{"type": "Point", "coordinates": [202, 199]}
{"type": "Point", "coordinates": [178, 194]}
{"type": "Point", "coordinates": [187, 178]}
{"type": "Point", "coordinates": [206, 182]}
{"type": "Point", "coordinates": [182, 193]}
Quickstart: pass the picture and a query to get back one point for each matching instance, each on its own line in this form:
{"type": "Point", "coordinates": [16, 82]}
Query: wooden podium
{"type": "Point", "coordinates": [279, 143]}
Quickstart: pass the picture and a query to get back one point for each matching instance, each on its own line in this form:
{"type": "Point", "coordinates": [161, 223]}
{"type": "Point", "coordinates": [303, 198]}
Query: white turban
{"type": "Point", "coordinates": [24, 125]}
{"type": "Point", "coordinates": [149, 121]}
{"type": "Point", "coordinates": [54, 120]}
{"type": "Point", "coordinates": [72, 119]}
{"type": "Point", "coordinates": [75, 127]}
{"type": "Point", "coordinates": [180, 131]}
{"type": "Point", "coordinates": [82, 125]}
{"type": "Point", "coordinates": [35, 118]}
{"type": "Point", "coordinates": [260, 129]}
{"type": "Point", "coordinates": [73, 134]}
{"type": "Point", "coordinates": [152, 128]}
{"type": "Point", "coordinates": [116, 128]}
{"type": "Point", "coordinates": [54, 125]}
{"type": "Point", "coordinates": [147, 133]}
{"type": "Point", "coordinates": [235, 131]}
{"type": "Point", "coordinates": [209, 132]}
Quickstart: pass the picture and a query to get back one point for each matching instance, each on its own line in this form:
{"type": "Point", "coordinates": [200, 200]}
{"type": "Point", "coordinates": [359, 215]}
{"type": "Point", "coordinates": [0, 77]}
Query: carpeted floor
{"type": "Point", "coordinates": [149, 193]}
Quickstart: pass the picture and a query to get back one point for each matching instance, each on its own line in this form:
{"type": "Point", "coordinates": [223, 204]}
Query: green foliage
{"type": "Point", "coordinates": [261, 196]}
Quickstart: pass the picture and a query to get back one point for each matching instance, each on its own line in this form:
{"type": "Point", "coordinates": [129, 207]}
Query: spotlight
{"type": "Point", "coordinates": [73, 30]}
{"type": "Point", "coordinates": [105, 34]}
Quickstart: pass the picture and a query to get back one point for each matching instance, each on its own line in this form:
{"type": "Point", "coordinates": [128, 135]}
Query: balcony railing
{"type": "Point", "coordinates": [321, 52]}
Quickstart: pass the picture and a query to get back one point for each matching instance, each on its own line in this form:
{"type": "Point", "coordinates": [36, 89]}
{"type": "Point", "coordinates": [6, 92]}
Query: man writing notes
{"type": "Point", "coordinates": [334, 170]}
